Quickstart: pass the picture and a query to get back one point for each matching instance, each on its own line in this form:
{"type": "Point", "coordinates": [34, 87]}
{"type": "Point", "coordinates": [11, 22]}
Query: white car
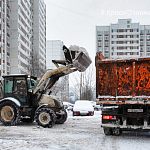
{"type": "Point", "coordinates": [83, 108]}
{"type": "Point", "coordinates": [68, 106]}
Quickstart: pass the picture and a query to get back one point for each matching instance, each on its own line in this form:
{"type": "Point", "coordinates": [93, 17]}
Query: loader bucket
{"type": "Point", "coordinates": [82, 62]}
{"type": "Point", "coordinates": [78, 57]}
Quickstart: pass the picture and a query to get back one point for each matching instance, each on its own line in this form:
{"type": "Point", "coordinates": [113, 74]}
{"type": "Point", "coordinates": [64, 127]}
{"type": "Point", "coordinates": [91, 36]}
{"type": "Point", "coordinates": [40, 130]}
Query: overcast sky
{"type": "Point", "coordinates": [74, 21]}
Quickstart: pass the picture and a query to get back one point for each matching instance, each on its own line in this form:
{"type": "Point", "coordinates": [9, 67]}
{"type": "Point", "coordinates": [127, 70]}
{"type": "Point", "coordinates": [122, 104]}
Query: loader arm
{"type": "Point", "coordinates": [51, 76]}
{"type": "Point", "coordinates": [76, 59]}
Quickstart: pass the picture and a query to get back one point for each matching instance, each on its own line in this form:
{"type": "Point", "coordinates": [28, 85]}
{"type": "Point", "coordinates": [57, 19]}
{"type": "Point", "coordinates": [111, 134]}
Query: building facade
{"type": "Point", "coordinates": [124, 39]}
{"type": "Point", "coordinates": [145, 40]}
{"type": "Point", "coordinates": [27, 37]}
{"type": "Point", "coordinates": [4, 37]}
{"type": "Point", "coordinates": [54, 51]}
{"type": "Point", "coordinates": [20, 37]}
{"type": "Point", "coordinates": [39, 38]}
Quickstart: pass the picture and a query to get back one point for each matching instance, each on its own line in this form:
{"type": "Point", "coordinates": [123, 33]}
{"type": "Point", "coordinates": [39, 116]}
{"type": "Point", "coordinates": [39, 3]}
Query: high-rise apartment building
{"type": "Point", "coordinates": [27, 37]}
{"type": "Point", "coordinates": [103, 40]}
{"type": "Point", "coordinates": [4, 37]}
{"type": "Point", "coordinates": [124, 39]}
{"type": "Point", "coordinates": [145, 40]}
{"type": "Point", "coordinates": [54, 51]}
{"type": "Point", "coordinates": [39, 37]}
{"type": "Point", "coordinates": [21, 36]}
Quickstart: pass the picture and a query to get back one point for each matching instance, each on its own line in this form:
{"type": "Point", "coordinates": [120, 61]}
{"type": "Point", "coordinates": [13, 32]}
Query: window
{"type": "Point", "coordinates": [120, 36]}
{"type": "Point", "coordinates": [8, 85]}
{"type": "Point", "coordinates": [128, 22]}
{"type": "Point", "coordinates": [131, 30]}
{"type": "Point", "coordinates": [120, 30]}
{"type": "Point", "coordinates": [148, 31]}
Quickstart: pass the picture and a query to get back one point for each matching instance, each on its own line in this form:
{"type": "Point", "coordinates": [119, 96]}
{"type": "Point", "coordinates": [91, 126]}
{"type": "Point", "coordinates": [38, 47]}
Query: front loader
{"type": "Point", "coordinates": [26, 99]}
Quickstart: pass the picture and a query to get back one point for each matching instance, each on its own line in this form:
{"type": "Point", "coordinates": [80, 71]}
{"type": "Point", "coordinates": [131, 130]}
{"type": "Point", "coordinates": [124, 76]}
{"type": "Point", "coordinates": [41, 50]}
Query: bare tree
{"type": "Point", "coordinates": [88, 84]}
{"type": "Point", "coordinates": [84, 84]}
{"type": "Point", "coordinates": [60, 89]}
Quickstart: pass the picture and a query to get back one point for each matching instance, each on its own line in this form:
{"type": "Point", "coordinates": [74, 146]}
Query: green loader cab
{"type": "Point", "coordinates": [20, 87]}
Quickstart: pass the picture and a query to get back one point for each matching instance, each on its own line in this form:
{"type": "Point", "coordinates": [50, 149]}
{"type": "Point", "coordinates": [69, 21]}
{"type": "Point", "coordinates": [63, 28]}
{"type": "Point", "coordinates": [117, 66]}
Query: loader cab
{"type": "Point", "coordinates": [19, 87]}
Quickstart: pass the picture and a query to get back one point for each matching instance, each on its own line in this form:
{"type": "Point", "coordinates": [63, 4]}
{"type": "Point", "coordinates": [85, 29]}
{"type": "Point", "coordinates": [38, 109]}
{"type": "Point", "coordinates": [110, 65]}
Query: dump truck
{"type": "Point", "coordinates": [26, 99]}
{"type": "Point", "coordinates": [123, 91]}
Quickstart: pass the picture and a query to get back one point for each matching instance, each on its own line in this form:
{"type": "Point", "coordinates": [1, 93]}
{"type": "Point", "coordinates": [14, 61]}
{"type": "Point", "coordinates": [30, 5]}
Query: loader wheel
{"type": "Point", "coordinates": [45, 117]}
{"type": "Point", "coordinates": [107, 131]}
{"type": "Point", "coordinates": [61, 118]}
{"type": "Point", "coordinates": [9, 113]}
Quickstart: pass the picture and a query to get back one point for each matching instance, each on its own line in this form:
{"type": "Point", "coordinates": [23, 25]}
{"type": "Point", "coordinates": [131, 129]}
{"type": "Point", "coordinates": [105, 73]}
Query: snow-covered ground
{"type": "Point", "coordinates": [78, 133]}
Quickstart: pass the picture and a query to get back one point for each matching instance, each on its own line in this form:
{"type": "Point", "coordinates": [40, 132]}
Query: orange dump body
{"type": "Point", "coordinates": [121, 80]}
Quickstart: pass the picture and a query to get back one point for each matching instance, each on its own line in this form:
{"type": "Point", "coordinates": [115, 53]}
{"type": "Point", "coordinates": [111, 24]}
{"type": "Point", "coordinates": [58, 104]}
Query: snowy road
{"type": "Point", "coordinates": [78, 133]}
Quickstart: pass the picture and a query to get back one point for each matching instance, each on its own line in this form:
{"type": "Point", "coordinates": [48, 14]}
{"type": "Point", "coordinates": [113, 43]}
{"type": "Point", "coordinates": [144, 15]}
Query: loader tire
{"type": "Point", "coordinates": [45, 117]}
{"type": "Point", "coordinates": [9, 113]}
{"type": "Point", "coordinates": [61, 118]}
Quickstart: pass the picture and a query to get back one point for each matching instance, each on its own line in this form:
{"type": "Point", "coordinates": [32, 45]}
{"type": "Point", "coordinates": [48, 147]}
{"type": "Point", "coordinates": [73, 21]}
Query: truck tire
{"type": "Point", "coordinates": [107, 131]}
{"type": "Point", "coordinates": [9, 113]}
{"type": "Point", "coordinates": [116, 131]}
{"type": "Point", "coordinates": [45, 117]}
{"type": "Point", "coordinates": [61, 118]}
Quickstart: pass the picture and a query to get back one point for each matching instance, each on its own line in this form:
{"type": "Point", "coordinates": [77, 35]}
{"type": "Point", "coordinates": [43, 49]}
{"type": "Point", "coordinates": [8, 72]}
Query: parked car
{"type": "Point", "coordinates": [97, 107]}
{"type": "Point", "coordinates": [68, 106]}
{"type": "Point", "coordinates": [83, 108]}
{"type": "Point", "coordinates": [93, 103]}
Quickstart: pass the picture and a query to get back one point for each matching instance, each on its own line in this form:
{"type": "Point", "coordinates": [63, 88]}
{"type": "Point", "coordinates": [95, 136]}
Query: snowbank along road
{"type": "Point", "coordinates": [78, 133]}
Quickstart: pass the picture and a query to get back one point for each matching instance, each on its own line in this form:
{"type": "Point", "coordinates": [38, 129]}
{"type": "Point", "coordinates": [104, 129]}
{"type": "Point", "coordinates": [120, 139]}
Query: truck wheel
{"type": "Point", "coordinates": [107, 131]}
{"type": "Point", "coordinates": [116, 131]}
{"type": "Point", "coordinates": [9, 113]}
{"type": "Point", "coordinates": [61, 118]}
{"type": "Point", "coordinates": [45, 117]}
